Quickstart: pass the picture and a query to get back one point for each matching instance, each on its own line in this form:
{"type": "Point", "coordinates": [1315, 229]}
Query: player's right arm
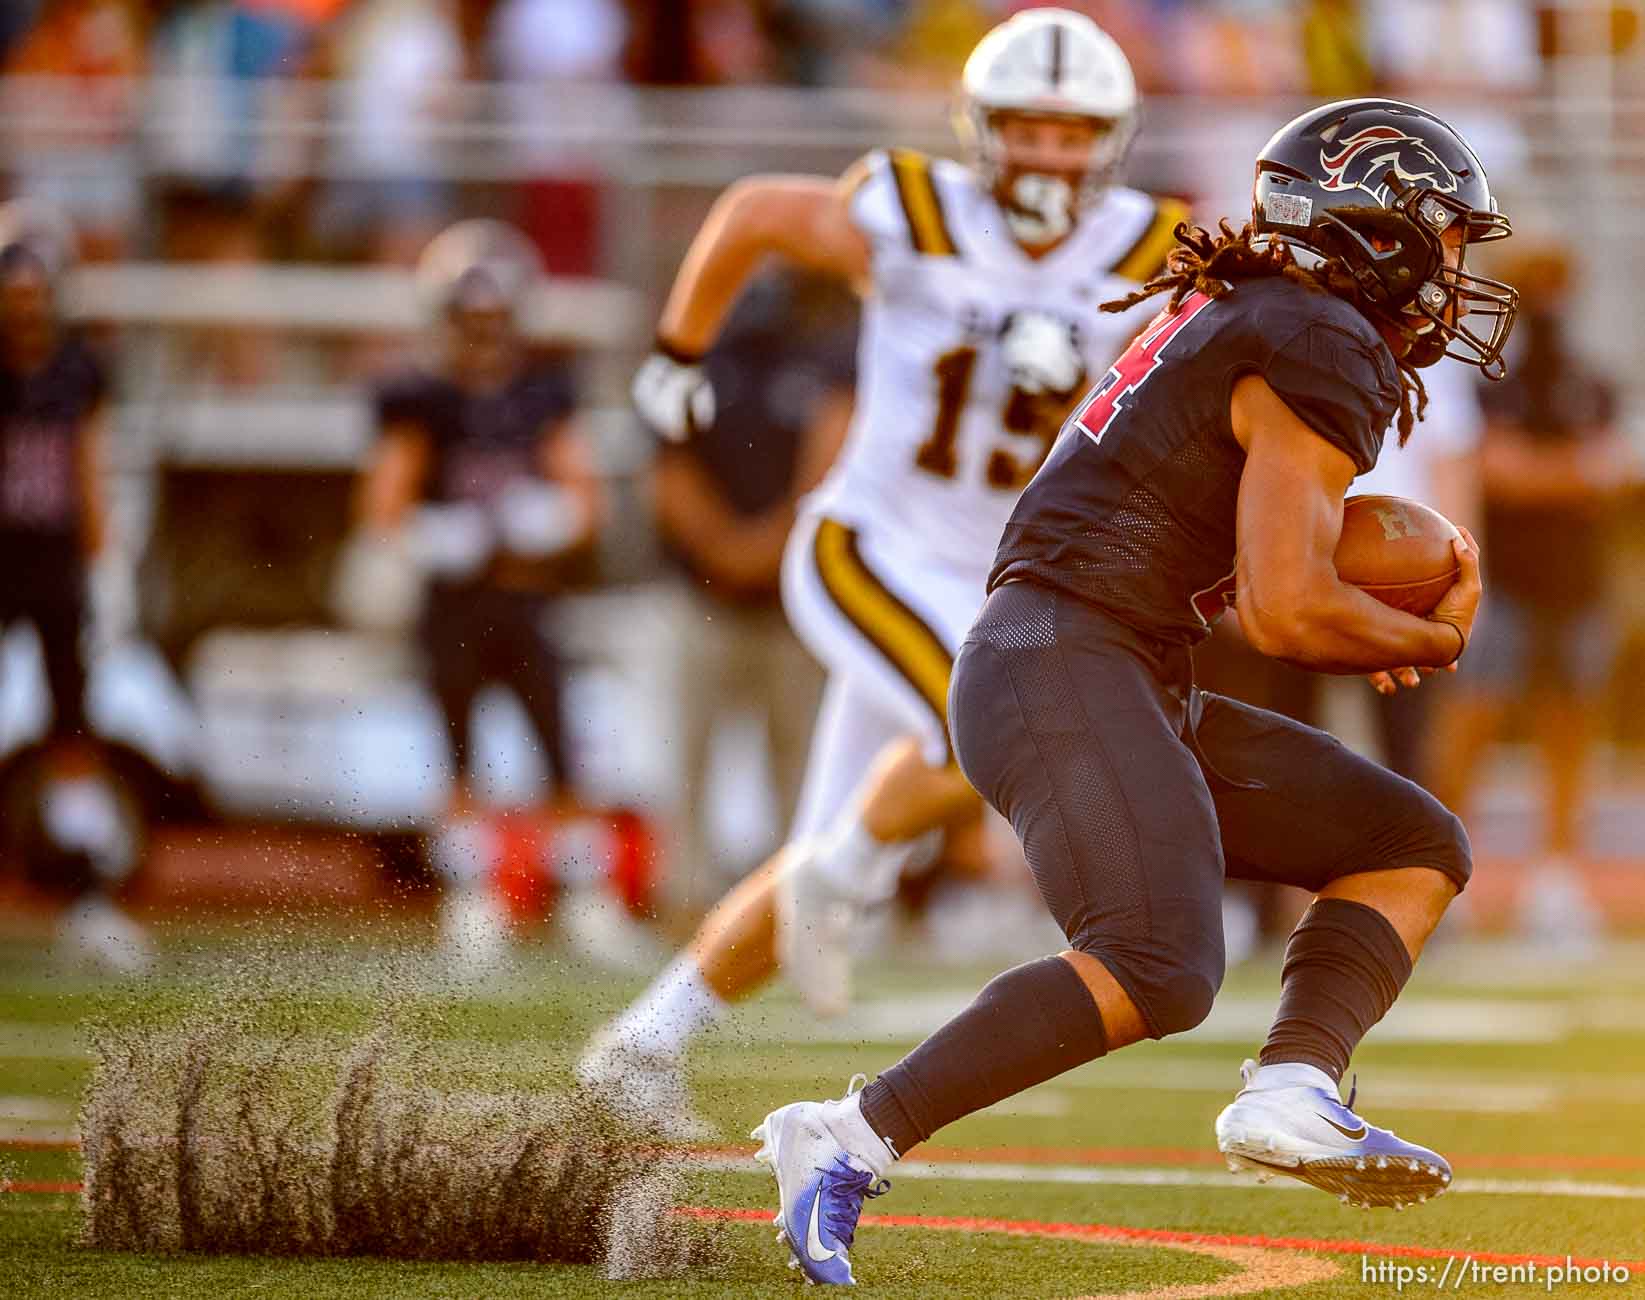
{"type": "Point", "coordinates": [806, 220]}
{"type": "Point", "coordinates": [394, 477]}
{"type": "Point", "coordinates": [803, 219]}
{"type": "Point", "coordinates": [1290, 602]}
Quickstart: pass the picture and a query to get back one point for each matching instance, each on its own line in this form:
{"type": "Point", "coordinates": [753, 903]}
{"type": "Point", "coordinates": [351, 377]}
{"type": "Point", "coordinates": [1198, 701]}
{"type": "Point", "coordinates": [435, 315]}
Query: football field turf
{"type": "Point", "coordinates": [1528, 1074]}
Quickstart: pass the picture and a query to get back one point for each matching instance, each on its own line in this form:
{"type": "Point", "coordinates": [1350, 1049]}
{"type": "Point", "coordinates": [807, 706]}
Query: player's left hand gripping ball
{"type": "Point", "coordinates": [1041, 354]}
{"type": "Point", "coordinates": [673, 395]}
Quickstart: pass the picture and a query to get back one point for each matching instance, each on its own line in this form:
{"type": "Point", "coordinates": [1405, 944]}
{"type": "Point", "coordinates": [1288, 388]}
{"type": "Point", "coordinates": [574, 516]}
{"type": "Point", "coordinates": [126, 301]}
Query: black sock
{"type": "Point", "coordinates": [1344, 966]}
{"type": "Point", "coordinates": [1028, 1025]}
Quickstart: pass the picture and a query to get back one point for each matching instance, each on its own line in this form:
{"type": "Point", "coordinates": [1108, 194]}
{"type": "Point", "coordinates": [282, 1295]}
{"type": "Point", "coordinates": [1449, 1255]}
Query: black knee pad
{"type": "Point", "coordinates": [1173, 991]}
{"type": "Point", "coordinates": [1183, 1001]}
{"type": "Point", "coordinates": [1456, 852]}
{"type": "Point", "coordinates": [1428, 834]}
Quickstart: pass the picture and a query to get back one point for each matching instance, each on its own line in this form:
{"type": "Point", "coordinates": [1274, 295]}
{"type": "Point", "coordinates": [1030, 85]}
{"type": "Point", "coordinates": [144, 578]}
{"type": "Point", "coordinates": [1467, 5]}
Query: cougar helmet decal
{"type": "Point", "coordinates": [1393, 196]}
{"type": "Point", "coordinates": [1367, 160]}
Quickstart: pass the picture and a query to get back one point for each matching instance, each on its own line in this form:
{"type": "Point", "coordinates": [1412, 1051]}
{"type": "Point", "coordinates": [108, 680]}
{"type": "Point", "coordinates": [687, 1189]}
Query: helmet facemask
{"type": "Point", "coordinates": [1397, 256]}
{"type": "Point", "coordinates": [1472, 314]}
{"type": "Point", "coordinates": [1042, 190]}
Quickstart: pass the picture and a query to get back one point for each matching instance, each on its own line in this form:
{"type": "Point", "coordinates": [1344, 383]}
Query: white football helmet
{"type": "Point", "coordinates": [1051, 62]}
{"type": "Point", "coordinates": [40, 230]}
{"type": "Point", "coordinates": [477, 263]}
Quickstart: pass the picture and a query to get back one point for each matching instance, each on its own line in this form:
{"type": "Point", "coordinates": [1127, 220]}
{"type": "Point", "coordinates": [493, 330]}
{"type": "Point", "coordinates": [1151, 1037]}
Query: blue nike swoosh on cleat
{"type": "Point", "coordinates": [1353, 1135]}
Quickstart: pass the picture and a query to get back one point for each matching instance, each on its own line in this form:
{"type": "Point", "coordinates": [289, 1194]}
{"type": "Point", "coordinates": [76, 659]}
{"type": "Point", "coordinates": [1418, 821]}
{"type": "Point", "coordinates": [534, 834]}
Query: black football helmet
{"type": "Point", "coordinates": [1376, 184]}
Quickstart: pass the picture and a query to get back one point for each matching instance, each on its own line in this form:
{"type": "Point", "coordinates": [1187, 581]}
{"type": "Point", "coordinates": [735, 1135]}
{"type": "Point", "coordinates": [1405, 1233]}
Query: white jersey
{"type": "Point", "coordinates": [941, 443]}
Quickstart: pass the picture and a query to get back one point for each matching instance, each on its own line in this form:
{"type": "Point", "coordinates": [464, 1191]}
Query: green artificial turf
{"type": "Point", "coordinates": [1563, 1117]}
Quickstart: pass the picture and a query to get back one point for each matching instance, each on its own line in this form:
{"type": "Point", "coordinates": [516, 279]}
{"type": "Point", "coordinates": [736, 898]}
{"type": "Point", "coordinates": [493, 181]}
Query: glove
{"type": "Point", "coordinates": [537, 519]}
{"type": "Point", "coordinates": [451, 541]}
{"type": "Point", "coordinates": [111, 600]}
{"type": "Point", "coordinates": [376, 586]}
{"type": "Point", "coordinates": [1041, 355]}
{"type": "Point", "coordinates": [673, 395]}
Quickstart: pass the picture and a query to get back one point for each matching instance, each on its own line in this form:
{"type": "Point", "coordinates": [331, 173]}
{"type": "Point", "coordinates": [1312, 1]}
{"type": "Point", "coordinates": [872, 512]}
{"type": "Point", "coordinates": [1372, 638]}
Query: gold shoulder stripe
{"type": "Point", "coordinates": [1146, 258]}
{"type": "Point", "coordinates": [917, 189]}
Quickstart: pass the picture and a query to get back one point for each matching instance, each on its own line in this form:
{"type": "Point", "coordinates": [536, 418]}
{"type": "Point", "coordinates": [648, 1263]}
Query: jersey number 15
{"type": "Point", "coordinates": [1024, 413]}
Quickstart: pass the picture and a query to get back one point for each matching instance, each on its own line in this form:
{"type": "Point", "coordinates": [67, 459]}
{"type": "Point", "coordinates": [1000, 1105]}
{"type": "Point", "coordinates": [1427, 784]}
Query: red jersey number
{"type": "Point", "coordinates": [1135, 364]}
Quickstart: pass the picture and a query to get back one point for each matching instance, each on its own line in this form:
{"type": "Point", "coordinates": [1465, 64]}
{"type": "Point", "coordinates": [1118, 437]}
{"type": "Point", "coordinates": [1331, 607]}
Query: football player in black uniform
{"type": "Point", "coordinates": [1207, 467]}
{"type": "Point", "coordinates": [66, 818]}
{"type": "Point", "coordinates": [480, 466]}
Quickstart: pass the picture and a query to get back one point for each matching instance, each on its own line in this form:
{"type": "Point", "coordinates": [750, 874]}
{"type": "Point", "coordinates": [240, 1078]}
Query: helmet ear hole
{"type": "Point", "coordinates": [1389, 257]}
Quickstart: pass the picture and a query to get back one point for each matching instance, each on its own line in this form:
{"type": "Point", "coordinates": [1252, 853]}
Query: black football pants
{"type": "Point", "coordinates": [58, 617]}
{"type": "Point", "coordinates": [1134, 793]}
{"type": "Point", "coordinates": [477, 636]}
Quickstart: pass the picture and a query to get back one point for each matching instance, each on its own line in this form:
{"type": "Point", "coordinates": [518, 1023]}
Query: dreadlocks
{"type": "Point", "coordinates": [1203, 264]}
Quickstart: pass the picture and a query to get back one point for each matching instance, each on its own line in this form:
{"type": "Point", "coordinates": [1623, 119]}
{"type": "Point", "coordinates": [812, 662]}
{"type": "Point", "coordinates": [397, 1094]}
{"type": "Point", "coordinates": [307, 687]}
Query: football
{"type": "Point", "coordinates": [1398, 551]}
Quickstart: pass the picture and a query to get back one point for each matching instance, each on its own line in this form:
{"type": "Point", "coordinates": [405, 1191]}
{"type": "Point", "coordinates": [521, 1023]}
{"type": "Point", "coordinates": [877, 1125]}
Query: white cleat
{"type": "Point", "coordinates": [475, 933]}
{"type": "Point", "coordinates": [94, 933]}
{"type": "Point", "coordinates": [600, 930]}
{"type": "Point", "coordinates": [1289, 1120]}
{"type": "Point", "coordinates": [814, 927]}
{"type": "Point", "coordinates": [644, 1089]}
{"type": "Point", "coordinates": [826, 1162]}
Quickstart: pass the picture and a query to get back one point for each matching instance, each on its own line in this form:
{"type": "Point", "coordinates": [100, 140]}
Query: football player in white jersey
{"type": "Point", "coordinates": [981, 287]}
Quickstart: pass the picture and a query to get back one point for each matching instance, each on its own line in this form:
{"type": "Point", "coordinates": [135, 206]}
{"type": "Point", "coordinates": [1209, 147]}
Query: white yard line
{"type": "Point", "coordinates": [1087, 1176]}
{"type": "Point", "coordinates": [1234, 1019]}
{"type": "Point", "coordinates": [33, 1110]}
{"type": "Point", "coordinates": [22, 1041]}
{"type": "Point", "coordinates": [1398, 1088]}
{"type": "Point", "coordinates": [1394, 1088]}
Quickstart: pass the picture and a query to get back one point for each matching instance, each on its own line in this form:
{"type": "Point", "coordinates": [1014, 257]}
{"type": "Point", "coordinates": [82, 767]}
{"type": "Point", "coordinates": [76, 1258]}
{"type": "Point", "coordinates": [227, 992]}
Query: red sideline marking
{"type": "Point", "coordinates": [1094, 1232]}
{"type": "Point", "coordinates": [1169, 1237]}
{"type": "Point", "coordinates": [1032, 1155]}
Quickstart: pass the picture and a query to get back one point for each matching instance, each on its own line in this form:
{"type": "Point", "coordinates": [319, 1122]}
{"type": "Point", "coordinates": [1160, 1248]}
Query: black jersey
{"type": "Point", "coordinates": [480, 442]}
{"type": "Point", "coordinates": [1134, 510]}
{"type": "Point", "coordinates": [41, 417]}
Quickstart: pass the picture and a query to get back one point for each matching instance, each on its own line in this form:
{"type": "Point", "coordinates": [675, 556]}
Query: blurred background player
{"type": "Point", "coordinates": [726, 498]}
{"type": "Point", "coordinates": [481, 471]}
{"type": "Point", "coordinates": [981, 286]}
{"type": "Point", "coordinates": [64, 813]}
{"type": "Point", "coordinates": [1555, 466]}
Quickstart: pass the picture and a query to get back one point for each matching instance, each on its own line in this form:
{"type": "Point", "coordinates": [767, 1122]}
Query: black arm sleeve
{"type": "Point", "coordinates": [1344, 387]}
{"type": "Point", "coordinates": [98, 387]}
{"type": "Point", "coordinates": [402, 399]}
{"type": "Point", "coordinates": [551, 395]}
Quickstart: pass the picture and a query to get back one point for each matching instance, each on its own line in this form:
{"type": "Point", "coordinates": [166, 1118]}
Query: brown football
{"type": "Point", "coordinates": [1398, 551]}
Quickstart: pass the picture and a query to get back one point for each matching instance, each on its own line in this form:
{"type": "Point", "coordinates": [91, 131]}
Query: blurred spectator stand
{"type": "Point", "coordinates": [69, 97]}
{"type": "Point", "coordinates": [1555, 466]}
